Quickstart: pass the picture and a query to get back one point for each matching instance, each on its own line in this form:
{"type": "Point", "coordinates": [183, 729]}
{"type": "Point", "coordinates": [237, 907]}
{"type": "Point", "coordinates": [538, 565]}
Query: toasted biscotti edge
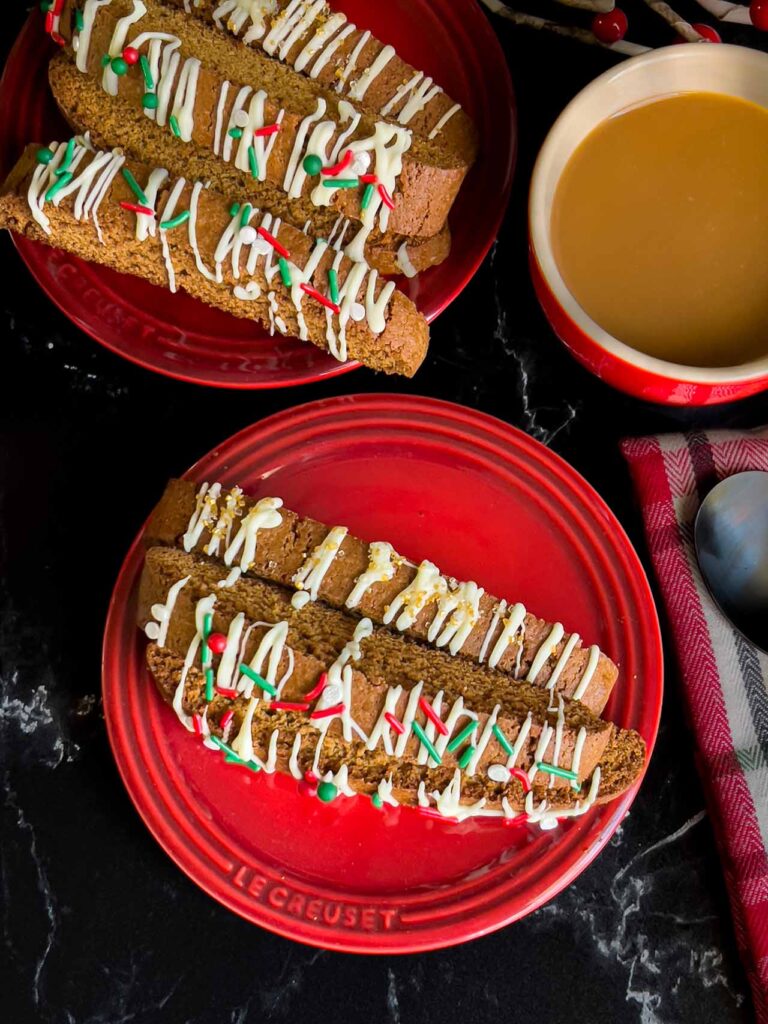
{"type": "Point", "coordinates": [283, 550]}
{"type": "Point", "coordinates": [399, 349]}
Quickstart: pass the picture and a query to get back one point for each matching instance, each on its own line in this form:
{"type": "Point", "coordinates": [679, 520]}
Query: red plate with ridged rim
{"type": "Point", "coordinates": [485, 502]}
{"type": "Point", "coordinates": [183, 338]}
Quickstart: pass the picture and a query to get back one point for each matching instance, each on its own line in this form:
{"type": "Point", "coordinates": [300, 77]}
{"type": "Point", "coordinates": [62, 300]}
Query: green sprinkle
{"type": "Point", "coordinates": [234, 209]}
{"type": "Point", "coordinates": [312, 164]}
{"type": "Point", "coordinates": [333, 281]}
{"type": "Point", "coordinates": [327, 792]}
{"type": "Point", "coordinates": [232, 758]}
{"type": "Point", "coordinates": [552, 769]}
{"type": "Point", "coordinates": [466, 757]}
{"type": "Point", "coordinates": [79, 23]}
{"type": "Point", "coordinates": [207, 624]}
{"type": "Point", "coordinates": [285, 272]}
{"type": "Point", "coordinates": [235, 133]}
{"type": "Point", "coordinates": [106, 60]}
{"type": "Point", "coordinates": [504, 742]}
{"type": "Point", "coordinates": [377, 802]}
{"type": "Point", "coordinates": [61, 183]}
{"type": "Point", "coordinates": [424, 739]}
{"type": "Point", "coordinates": [175, 222]}
{"type": "Point", "coordinates": [147, 72]}
{"type": "Point", "coordinates": [341, 183]}
{"type": "Point", "coordinates": [68, 154]}
{"type": "Point", "coordinates": [457, 741]}
{"type": "Point", "coordinates": [150, 101]}
{"type": "Point", "coordinates": [248, 672]}
{"type": "Point", "coordinates": [367, 197]}
{"type": "Point", "coordinates": [119, 66]}
{"type": "Point", "coordinates": [252, 162]}
{"type": "Point", "coordinates": [245, 216]}
{"type": "Point", "coordinates": [135, 187]}
{"type": "Point", "coordinates": [46, 5]}
{"type": "Point", "coordinates": [209, 684]}
{"type": "Point", "coordinates": [174, 124]}
{"type": "Point", "coordinates": [44, 156]}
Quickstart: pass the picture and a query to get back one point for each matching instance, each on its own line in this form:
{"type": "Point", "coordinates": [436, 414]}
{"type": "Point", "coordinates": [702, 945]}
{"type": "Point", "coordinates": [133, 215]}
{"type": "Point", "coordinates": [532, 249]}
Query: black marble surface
{"type": "Point", "coordinates": [98, 925]}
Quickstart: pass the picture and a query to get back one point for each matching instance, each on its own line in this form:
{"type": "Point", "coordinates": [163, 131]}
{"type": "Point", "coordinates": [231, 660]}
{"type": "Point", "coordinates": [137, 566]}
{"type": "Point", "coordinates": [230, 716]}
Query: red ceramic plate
{"type": "Point", "coordinates": [485, 502]}
{"type": "Point", "coordinates": [178, 336]}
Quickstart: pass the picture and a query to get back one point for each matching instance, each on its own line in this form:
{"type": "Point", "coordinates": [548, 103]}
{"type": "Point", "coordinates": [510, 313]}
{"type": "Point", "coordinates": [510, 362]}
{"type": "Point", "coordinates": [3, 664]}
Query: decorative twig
{"type": "Point", "coordinates": [725, 11]}
{"type": "Point", "coordinates": [571, 32]}
{"type": "Point", "coordinates": [680, 25]}
{"type": "Point", "coordinates": [599, 6]}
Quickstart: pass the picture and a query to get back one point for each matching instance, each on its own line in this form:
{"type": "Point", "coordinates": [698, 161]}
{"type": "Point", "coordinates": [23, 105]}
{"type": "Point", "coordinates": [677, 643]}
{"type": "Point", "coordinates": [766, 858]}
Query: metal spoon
{"type": "Point", "coordinates": [731, 539]}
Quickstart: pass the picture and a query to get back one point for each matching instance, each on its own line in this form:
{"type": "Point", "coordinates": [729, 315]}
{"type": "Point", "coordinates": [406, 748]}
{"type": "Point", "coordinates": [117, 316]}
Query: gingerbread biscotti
{"type": "Point", "coordinates": [321, 43]}
{"type": "Point", "coordinates": [180, 234]}
{"type": "Point", "coordinates": [263, 539]}
{"type": "Point", "coordinates": [342, 703]}
{"type": "Point", "coordinates": [111, 122]}
{"type": "Point", "coordinates": [217, 98]}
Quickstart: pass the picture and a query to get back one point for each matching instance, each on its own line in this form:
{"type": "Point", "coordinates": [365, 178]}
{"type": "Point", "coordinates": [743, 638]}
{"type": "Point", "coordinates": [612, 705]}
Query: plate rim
{"type": "Point", "coordinates": [449, 929]}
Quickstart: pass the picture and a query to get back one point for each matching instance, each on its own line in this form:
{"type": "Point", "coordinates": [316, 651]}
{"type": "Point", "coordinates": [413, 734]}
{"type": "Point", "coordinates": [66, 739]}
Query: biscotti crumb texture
{"type": "Point", "coordinates": [320, 43]}
{"type": "Point", "coordinates": [229, 256]}
{"type": "Point", "coordinates": [205, 84]}
{"type": "Point", "coordinates": [331, 565]}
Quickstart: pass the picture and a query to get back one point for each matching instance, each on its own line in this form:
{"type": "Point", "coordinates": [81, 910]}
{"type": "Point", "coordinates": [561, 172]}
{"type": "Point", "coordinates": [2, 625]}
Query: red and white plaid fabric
{"type": "Point", "coordinates": [725, 678]}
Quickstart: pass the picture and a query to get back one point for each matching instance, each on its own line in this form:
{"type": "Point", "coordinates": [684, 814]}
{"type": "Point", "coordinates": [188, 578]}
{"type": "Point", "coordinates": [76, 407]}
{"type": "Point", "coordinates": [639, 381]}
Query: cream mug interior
{"type": "Point", "coordinates": [730, 70]}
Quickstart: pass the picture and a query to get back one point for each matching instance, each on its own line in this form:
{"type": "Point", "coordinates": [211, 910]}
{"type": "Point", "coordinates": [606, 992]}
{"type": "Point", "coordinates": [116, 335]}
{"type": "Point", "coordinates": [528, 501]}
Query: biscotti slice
{"type": "Point", "coordinates": [321, 43]}
{"type": "Point", "coordinates": [261, 538]}
{"type": "Point", "coordinates": [281, 740]}
{"type": "Point", "coordinates": [322, 633]}
{"type": "Point", "coordinates": [258, 687]}
{"type": "Point", "coordinates": [318, 150]}
{"type": "Point", "coordinates": [138, 220]}
{"type": "Point", "coordinates": [110, 122]}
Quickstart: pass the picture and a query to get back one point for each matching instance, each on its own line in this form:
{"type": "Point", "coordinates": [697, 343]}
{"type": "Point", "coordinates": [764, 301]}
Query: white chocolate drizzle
{"type": "Point", "coordinates": [311, 575]}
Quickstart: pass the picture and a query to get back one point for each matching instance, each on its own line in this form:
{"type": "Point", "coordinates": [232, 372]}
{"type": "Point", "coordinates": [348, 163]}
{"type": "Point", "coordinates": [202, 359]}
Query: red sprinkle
{"type": "Point", "coordinates": [521, 819]}
{"type": "Point", "coordinates": [131, 55]}
{"type": "Point", "coordinates": [322, 682]}
{"type": "Point", "coordinates": [522, 778]}
{"type": "Point", "coordinates": [306, 789]}
{"type": "Point", "coordinates": [135, 208]}
{"type": "Point", "coordinates": [274, 243]}
{"type": "Point", "coordinates": [388, 200]}
{"type": "Point", "coordinates": [49, 22]}
{"type": "Point", "coordinates": [269, 129]}
{"type": "Point", "coordinates": [197, 722]}
{"type": "Point", "coordinates": [281, 705]}
{"type": "Point", "coordinates": [225, 692]}
{"type": "Point", "coordinates": [58, 39]}
{"type": "Point", "coordinates": [369, 179]}
{"type": "Point", "coordinates": [433, 716]}
{"type": "Point", "coordinates": [337, 709]}
{"type": "Point", "coordinates": [310, 777]}
{"type": "Point", "coordinates": [318, 297]}
{"type": "Point", "coordinates": [396, 724]}
{"type": "Point", "coordinates": [226, 718]}
{"type": "Point", "coordinates": [217, 642]}
{"type": "Point", "coordinates": [345, 161]}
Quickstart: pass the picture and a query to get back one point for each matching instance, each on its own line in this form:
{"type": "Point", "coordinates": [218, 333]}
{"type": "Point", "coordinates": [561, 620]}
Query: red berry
{"type": "Point", "coordinates": [131, 55]}
{"type": "Point", "coordinates": [217, 643]}
{"type": "Point", "coordinates": [758, 12]}
{"type": "Point", "coordinates": [709, 33]}
{"type": "Point", "coordinates": [610, 27]}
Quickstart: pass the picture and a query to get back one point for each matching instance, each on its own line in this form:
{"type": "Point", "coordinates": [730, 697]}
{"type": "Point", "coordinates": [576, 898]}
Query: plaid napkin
{"type": "Point", "coordinates": [724, 677]}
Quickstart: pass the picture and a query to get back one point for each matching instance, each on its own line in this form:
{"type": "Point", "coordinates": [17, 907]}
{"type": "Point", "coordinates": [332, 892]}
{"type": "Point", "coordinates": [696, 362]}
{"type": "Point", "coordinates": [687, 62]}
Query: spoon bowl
{"type": "Point", "coordinates": [731, 538]}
